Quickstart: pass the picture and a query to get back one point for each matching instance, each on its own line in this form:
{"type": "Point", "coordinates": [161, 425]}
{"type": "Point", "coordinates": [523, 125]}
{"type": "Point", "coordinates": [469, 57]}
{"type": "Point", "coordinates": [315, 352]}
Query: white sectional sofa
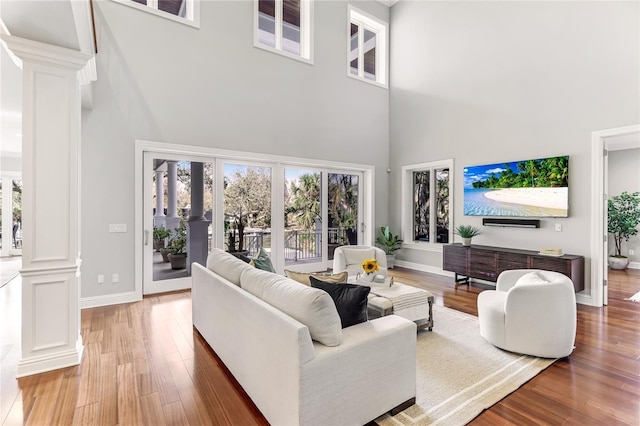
{"type": "Point", "coordinates": [267, 329]}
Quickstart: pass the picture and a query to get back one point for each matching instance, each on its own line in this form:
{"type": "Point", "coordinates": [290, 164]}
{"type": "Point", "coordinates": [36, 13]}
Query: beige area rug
{"type": "Point", "coordinates": [459, 374]}
{"type": "Point", "coordinates": [634, 298]}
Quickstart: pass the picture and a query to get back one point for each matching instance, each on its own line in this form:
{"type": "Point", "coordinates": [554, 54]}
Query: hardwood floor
{"type": "Point", "coordinates": [144, 364]}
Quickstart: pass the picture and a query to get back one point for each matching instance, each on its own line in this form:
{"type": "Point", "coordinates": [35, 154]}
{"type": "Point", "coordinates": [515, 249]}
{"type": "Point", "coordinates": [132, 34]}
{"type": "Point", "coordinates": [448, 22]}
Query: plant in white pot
{"type": "Point", "coordinates": [467, 232]}
{"type": "Point", "coordinates": [389, 243]}
{"type": "Point", "coordinates": [623, 220]}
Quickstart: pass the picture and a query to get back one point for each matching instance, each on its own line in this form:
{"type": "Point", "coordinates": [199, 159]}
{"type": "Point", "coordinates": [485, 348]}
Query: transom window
{"type": "Point", "coordinates": [367, 48]}
{"type": "Point", "coordinates": [183, 11]}
{"type": "Point", "coordinates": [284, 27]}
{"type": "Point", "coordinates": [427, 204]}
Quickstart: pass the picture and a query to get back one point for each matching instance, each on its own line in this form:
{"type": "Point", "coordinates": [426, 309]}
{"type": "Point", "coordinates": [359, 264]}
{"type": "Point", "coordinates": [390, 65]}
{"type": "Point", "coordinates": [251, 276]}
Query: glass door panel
{"type": "Point", "coordinates": [343, 210]}
{"type": "Point", "coordinates": [303, 228]}
{"type": "Point", "coordinates": [16, 227]}
{"type": "Point", "coordinates": [179, 235]}
{"type": "Point", "coordinates": [247, 208]}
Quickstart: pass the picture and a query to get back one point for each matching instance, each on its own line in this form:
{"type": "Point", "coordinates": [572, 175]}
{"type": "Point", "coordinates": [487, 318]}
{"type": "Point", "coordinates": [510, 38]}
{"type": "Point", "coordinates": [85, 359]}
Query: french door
{"type": "Point", "coordinates": [298, 213]}
{"type": "Point", "coordinates": [174, 235]}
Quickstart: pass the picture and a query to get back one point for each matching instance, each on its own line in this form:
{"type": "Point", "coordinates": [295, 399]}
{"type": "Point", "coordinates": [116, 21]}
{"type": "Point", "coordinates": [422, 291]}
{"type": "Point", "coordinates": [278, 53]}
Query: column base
{"type": "Point", "coordinates": [51, 361]}
{"type": "Point", "coordinates": [197, 242]}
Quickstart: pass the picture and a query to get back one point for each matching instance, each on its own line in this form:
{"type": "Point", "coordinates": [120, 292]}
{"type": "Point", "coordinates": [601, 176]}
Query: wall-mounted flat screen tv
{"type": "Point", "coordinates": [529, 188]}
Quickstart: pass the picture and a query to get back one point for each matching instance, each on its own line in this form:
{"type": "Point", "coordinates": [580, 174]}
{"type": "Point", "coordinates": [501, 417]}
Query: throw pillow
{"type": "Point", "coordinates": [357, 256]}
{"type": "Point", "coordinates": [245, 259]}
{"type": "Point", "coordinates": [225, 265]}
{"type": "Point", "coordinates": [310, 306]}
{"type": "Point", "coordinates": [530, 278]}
{"type": "Point", "coordinates": [263, 261]}
{"type": "Point", "coordinates": [350, 300]}
{"type": "Point", "coordinates": [303, 277]}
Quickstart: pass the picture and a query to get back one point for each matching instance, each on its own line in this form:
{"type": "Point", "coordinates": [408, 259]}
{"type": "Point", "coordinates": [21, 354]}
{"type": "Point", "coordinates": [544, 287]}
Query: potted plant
{"type": "Point", "coordinates": [178, 246]}
{"type": "Point", "coordinates": [623, 217]}
{"type": "Point", "coordinates": [467, 232]}
{"type": "Point", "coordinates": [389, 243]}
{"type": "Point", "coordinates": [159, 235]}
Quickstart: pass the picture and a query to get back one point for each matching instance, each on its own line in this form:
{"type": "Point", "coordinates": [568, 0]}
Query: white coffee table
{"type": "Point", "coordinates": [380, 302]}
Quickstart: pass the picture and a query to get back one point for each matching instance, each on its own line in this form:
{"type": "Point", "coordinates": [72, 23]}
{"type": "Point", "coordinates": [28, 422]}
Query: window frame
{"type": "Point", "coordinates": [381, 30]}
{"type": "Point", "coordinates": [306, 31]}
{"type": "Point", "coordinates": [407, 206]}
{"type": "Point", "coordinates": [192, 18]}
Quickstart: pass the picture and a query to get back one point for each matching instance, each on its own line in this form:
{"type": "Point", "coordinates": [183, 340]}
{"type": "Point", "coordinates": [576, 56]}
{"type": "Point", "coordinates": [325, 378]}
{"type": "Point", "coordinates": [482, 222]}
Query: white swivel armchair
{"type": "Point", "coordinates": [531, 312]}
{"type": "Point", "coordinates": [350, 258]}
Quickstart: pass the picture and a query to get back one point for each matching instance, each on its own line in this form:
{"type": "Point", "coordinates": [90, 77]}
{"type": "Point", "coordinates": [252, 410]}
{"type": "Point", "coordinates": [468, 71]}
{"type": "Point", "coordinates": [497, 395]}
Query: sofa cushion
{"type": "Point", "coordinates": [310, 306]}
{"type": "Point", "coordinates": [357, 256]}
{"type": "Point", "coordinates": [303, 277]}
{"type": "Point", "coordinates": [263, 261]}
{"type": "Point", "coordinates": [531, 278]}
{"type": "Point", "coordinates": [350, 300]}
{"type": "Point", "coordinates": [226, 265]}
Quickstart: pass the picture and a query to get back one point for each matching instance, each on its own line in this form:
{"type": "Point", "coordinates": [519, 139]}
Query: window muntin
{"type": "Point", "coordinates": [367, 48]}
{"type": "Point", "coordinates": [427, 203]}
{"type": "Point", "coordinates": [284, 27]}
{"type": "Point", "coordinates": [184, 11]}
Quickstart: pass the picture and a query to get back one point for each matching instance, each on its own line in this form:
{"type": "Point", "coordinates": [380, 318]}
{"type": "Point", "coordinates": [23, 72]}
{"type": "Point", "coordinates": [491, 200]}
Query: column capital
{"type": "Point", "coordinates": [48, 54]}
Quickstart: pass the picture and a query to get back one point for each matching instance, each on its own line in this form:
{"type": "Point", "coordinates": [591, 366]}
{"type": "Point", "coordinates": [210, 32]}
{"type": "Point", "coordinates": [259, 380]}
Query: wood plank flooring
{"type": "Point", "coordinates": [144, 364]}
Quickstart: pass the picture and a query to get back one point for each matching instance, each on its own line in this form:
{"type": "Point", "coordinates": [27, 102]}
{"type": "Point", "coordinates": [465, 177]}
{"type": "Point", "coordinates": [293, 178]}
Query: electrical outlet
{"type": "Point", "coordinates": [115, 278]}
{"type": "Point", "coordinates": [631, 252]}
{"type": "Point", "coordinates": [100, 279]}
{"type": "Point", "coordinates": [558, 227]}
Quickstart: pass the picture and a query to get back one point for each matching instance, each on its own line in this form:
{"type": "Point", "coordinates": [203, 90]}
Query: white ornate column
{"type": "Point", "coordinates": [159, 217]}
{"type": "Point", "coordinates": [51, 208]}
{"type": "Point", "coordinates": [172, 220]}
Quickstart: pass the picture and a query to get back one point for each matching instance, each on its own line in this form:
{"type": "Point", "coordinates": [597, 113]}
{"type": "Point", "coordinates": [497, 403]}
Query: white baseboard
{"type": "Point", "coordinates": [423, 268]}
{"type": "Point", "coordinates": [166, 286]}
{"type": "Point", "coordinates": [634, 265]}
{"type": "Point", "coordinates": [108, 299]}
{"type": "Point", "coordinates": [583, 299]}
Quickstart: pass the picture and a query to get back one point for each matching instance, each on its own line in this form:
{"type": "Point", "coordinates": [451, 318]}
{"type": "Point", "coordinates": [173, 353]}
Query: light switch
{"type": "Point", "coordinates": [558, 227]}
{"type": "Point", "coordinates": [117, 227]}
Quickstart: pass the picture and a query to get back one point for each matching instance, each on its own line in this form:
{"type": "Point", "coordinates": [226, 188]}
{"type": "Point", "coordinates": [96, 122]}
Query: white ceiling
{"type": "Point", "coordinates": [10, 106]}
{"type": "Point", "coordinates": [64, 23]}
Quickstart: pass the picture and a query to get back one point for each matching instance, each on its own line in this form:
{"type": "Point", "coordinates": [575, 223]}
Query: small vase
{"type": "Point", "coordinates": [368, 277]}
{"type": "Point", "coordinates": [466, 242]}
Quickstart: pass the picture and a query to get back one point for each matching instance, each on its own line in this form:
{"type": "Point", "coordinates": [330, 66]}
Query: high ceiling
{"type": "Point", "coordinates": [63, 23]}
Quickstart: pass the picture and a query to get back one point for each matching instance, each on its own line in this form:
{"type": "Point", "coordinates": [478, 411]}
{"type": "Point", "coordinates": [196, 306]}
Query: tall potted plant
{"type": "Point", "coordinates": [389, 243]}
{"type": "Point", "coordinates": [624, 217]}
{"type": "Point", "coordinates": [178, 246]}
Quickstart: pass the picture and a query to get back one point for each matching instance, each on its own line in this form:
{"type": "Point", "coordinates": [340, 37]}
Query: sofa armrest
{"type": "Point", "coordinates": [371, 372]}
{"type": "Point", "coordinates": [339, 262]}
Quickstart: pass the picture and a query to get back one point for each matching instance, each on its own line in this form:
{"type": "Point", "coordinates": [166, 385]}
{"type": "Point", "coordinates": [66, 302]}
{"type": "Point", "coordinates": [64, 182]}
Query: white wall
{"type": "Point", "coordinates": [624, 175]}
{"type": "Point", "coordinates": [162, 81]}
{"type": "Point", "coordinates": [487, 82]}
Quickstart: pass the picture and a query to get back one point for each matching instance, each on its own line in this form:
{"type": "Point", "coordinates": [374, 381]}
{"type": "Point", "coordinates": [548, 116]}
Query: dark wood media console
{"type": "Point", "coordinates": [486, 263]}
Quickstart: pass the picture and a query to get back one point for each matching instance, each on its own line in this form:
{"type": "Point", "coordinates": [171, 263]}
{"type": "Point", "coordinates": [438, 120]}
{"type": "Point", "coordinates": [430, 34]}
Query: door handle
{"type": "Point", "coordinates": [146, 237]}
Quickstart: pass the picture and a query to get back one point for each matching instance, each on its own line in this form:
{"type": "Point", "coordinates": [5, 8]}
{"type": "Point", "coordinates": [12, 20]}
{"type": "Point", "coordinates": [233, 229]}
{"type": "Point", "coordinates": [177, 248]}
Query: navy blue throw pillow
{"type": "Point", "coordinates": [350, 300]}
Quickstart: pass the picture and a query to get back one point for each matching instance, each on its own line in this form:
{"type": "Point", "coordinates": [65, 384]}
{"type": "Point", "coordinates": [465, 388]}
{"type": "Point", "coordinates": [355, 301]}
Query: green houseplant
{"type": "Point", "coordinates": [178, 246]}
{"type": "Point", "coordinates": [466, 232]}
{"type": "Point", "coordinates": [159, 235]}
{"type": "Point", "coordinates": [623, 219]}
{"type": "Point", "coordinates": [389, 243]}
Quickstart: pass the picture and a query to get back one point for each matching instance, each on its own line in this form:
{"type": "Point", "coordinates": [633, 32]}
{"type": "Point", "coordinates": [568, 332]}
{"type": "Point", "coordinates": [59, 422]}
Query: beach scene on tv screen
{"type": "Point", "coordinates": [531, 188]}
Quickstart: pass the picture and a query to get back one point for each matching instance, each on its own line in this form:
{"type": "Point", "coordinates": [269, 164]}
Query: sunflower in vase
{"type": "Point", "coordinates": [370, 266]}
